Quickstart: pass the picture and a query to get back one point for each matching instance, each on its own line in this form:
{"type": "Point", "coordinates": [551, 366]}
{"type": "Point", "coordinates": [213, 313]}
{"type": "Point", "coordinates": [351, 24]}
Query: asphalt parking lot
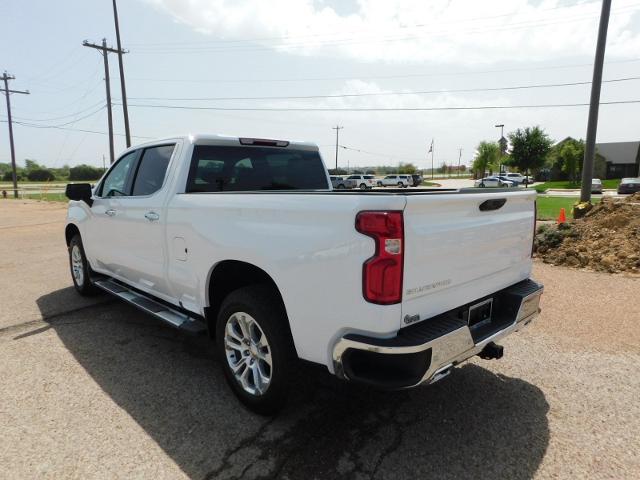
{"type": "Point", "coordinates": [96, 389]}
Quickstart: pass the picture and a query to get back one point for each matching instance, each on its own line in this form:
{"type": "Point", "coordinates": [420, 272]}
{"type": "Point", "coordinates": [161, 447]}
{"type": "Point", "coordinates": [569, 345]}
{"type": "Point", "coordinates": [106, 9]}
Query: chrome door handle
{"type": "Point", "coordinates": [151, 216]}
{"type": "Point", "coordinates": [111, 212]}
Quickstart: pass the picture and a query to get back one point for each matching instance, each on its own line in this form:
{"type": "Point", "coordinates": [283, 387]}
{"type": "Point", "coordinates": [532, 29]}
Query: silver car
{"type": "Point", "coordinates": [596, 185]}
{"type": "Point", "coordinates": [493, 182]}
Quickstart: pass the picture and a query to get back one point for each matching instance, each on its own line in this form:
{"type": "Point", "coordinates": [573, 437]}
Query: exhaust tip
{"type": "Point", "coordinates": [492, 351]}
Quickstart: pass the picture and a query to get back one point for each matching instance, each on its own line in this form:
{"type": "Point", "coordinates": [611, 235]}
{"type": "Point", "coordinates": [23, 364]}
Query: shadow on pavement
{"type": "Point", "coordinates": [474, 424]}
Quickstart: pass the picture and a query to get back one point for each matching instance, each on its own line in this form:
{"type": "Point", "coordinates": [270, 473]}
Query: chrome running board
{"type": "Point", "coordinates": [147, 304]}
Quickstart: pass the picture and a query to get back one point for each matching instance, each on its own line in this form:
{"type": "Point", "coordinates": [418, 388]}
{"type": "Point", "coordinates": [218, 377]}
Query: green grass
{"type": "Point", "coordinates": [564, 185]}
{"type": "Point", "coordinates": [549, 207]}
{"type": "Point", "coordinates": [49, 197]}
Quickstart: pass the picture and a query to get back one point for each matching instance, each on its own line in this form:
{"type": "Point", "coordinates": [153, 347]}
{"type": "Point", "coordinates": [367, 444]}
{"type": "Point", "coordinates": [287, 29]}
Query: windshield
{"type": "Point", "coordinates": [244, 168]}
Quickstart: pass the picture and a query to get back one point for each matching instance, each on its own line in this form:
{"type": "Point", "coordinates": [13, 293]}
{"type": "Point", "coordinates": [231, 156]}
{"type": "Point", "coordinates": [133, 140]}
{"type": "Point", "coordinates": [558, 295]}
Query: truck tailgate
{"type": "Point", "coordinates": [456, 253]}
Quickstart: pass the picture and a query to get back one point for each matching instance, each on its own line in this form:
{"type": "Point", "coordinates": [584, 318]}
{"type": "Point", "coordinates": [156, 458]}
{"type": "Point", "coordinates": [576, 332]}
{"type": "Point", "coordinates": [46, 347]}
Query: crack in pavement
{"type": "Point", "coordinates": [50, 319]}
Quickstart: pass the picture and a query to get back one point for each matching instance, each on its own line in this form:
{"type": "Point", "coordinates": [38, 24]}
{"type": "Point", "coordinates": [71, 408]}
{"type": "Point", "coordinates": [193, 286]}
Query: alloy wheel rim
{"type": "Point", "coordinates": [76, 265]}
{"type": "Point", "coordinates": [248, 353]}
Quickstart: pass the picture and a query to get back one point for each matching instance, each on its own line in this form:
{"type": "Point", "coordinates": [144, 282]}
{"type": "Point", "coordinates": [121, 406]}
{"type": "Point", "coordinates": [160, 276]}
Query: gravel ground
{"type": "Point", "coordinates": [96, 389]}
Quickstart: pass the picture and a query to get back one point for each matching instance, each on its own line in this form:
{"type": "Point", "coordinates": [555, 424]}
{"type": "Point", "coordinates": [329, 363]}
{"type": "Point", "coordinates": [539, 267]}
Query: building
{"type": "Point", "coordinates": [613, 160]}
{"type": "Point", "coordinates": [622, 158]}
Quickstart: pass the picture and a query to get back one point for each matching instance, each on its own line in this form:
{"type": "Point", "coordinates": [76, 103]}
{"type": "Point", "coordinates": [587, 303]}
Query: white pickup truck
{"type": "Point", "coordinates": [244, 239]}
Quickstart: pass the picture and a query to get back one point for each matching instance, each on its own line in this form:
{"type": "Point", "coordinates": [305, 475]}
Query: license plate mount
{"type": "Point", "coordinates": [480, 313]}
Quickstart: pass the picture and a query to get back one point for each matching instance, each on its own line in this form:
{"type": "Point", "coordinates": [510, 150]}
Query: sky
{"type": "Point", "coordinates": [396, 74]}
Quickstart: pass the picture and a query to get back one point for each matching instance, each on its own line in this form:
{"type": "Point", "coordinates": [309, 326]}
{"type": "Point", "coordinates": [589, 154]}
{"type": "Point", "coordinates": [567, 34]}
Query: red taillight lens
{"type": "Point", "coordinates": [382, 273]}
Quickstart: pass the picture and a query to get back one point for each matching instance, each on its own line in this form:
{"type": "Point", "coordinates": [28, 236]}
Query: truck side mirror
{"type": "Point", "coordinates": [79, 192]}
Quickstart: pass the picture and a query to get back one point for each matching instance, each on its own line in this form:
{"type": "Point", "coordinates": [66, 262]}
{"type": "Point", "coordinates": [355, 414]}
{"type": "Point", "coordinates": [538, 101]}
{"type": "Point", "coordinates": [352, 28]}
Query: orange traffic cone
{"type": "Point", "coordinates": [562, 218]}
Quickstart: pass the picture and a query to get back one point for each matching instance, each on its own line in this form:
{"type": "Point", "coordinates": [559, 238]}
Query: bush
{"type": "Point", "coordinates": [85, 172]}
{"type": "Point", "coordinates": [40, 175]}
{"type": "Point", "coordinates": [8, 177]}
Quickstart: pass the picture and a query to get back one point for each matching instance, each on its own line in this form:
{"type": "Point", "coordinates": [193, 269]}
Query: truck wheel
{"type": "Point", "coordinates": [341, 187]}
{"type": "Point", "coordinates": [380, 184]}
{"type": "Point", "coordinates": [400, 185]}
{"type": "Point", "coordinates": [363, 186]}
{"type": "Point", "coordinates": [255, 348]}
{"type": "Point", "coordinates": [80, 270]}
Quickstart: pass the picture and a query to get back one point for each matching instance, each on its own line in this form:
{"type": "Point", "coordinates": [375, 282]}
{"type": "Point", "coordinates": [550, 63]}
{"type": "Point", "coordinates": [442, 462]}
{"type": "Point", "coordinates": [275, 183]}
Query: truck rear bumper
{"type": "Point", "coordinates": [426, 352]}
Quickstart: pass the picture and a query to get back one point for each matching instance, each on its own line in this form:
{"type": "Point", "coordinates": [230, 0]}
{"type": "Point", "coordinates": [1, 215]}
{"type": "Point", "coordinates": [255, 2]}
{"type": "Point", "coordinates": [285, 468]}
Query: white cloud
{"type": "Point", "coordinates": [454, 31]}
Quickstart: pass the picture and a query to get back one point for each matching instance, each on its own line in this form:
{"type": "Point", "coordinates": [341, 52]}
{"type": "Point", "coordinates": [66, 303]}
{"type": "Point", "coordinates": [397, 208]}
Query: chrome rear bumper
{"type": "Point", "coordinates": [425, 352]}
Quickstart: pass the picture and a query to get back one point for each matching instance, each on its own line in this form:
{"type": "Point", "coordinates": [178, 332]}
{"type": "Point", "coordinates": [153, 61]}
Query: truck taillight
{"type": "Point", "coordinates": [382, 273]}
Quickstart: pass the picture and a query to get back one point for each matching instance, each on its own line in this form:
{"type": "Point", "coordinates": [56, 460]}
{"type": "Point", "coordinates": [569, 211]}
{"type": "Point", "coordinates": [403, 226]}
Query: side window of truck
{"type": "Point", "coordinates": [115, 183]}
{"type": "Point", "coordinates": [152, 169]}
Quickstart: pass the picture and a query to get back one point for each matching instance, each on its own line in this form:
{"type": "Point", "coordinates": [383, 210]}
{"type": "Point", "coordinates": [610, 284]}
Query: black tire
{"type": "Point", "coordinates": [263, 304]}
{"type": "Point", "coordinates": [341, 187]}
{"type": "Point", "coordinates": [363, 186]}
{"type": "Point", "coordinates": [400, 185]}
{"type": "Point", "coordinates": [380, 184]}
{"type": "Point", "coordinates": [81, 282]}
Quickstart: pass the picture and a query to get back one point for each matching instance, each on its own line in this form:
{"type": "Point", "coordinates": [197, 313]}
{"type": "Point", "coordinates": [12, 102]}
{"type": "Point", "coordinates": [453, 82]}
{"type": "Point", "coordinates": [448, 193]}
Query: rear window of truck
{"type": "Point", "coordinates": [242, 169]}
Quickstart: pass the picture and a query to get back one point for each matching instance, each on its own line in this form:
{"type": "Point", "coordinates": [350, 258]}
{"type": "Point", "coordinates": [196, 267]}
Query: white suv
{"type": "Point", "coordinates": [363, 182]}
{"type": "Point", "coordinates": [402, 181]}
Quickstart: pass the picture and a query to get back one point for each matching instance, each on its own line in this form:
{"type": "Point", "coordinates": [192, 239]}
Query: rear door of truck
{"type": "Point", "coordinates": [460, 247]}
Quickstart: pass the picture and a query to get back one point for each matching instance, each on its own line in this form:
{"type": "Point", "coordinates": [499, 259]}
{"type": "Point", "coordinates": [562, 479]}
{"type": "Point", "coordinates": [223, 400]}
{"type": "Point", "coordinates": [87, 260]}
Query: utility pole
{"type": "Point", "coordinates": [431, 152]}
{"type": "Point", "coordinates": [123, 89]}
{"type": "Point", "coordinates": [105, 52]}
{"type": "Point", "coordinates": [503, 146]}
{"type": "Point", "coordinates": [592, 123]}
{"type": "Point", "coordinates": [337, 128]}
{"type": "Point", "coordinates": [6, 77]}
{"type": "Point", "coordinates": [459, 158]}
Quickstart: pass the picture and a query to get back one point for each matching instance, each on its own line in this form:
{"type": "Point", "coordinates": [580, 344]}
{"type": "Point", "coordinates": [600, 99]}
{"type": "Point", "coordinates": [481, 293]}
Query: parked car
{"type": "Point", "coordinates": [417, 180]}
{"type": "Point", "coordinates": [596, 185]}
{"type": "Point", "coordinates": [629, 185]}
{"type": "Point", "coordinates": [516, 178]}
{"type": "Point", "coordinates": [341, 183]}
{"type": "Point", "coordinates": [244, 240]}
{"type": "Point", "coordinates": [401, 181]}
{"type": "Point", "coordinates": [363, 182]}
{"type": "Point", "coordinates": [493, 182]}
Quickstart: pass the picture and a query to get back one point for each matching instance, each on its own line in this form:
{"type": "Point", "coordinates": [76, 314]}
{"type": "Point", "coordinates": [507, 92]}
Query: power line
{"type": "Point", "coordinates": [377, 94]}
{"type": "Point", "coordinates": [90, 107]}
{"type": "Point", "coordinates": [378, 109]}
{"type": "Point", "coordinates": [56, 127]}
{"type": "Point", "coordinates": [383, 77]}
{"type": "Point", "coordinates": [331, 34]}
{"type": "Point", "coordinates": [377, 154]}
{"type": "Point", "coordinates": [376, 38]}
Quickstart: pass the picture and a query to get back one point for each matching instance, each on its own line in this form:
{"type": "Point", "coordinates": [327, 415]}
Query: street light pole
{"type": "Point", "coordinates": [592, 123]}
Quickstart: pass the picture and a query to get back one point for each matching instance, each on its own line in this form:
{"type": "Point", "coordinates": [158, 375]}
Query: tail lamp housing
{"type": "Point", "coordinates": [382, 273]}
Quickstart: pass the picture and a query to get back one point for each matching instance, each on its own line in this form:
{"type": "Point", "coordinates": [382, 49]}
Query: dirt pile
{"type": "Point", "coordinates": [607, 239]}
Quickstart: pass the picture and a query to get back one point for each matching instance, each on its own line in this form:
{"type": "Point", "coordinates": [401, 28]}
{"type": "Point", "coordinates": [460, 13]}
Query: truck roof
{"type": "Point", "coordinates": [228, 140]}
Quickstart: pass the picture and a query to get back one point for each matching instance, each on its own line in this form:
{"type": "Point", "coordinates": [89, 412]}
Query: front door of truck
{"type": "Point", "coordinates": [100, 240]}
{"type": "Point", "coordinates": [139, 245]}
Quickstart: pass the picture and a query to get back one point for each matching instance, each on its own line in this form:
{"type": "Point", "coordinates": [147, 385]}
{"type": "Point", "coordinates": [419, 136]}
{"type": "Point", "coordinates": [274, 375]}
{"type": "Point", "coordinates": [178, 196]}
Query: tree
{"type": "Point", "coordinates": [85, 172]}
{"type": "Point", "coordinates": [567, 157]}
{"type": "Point", "coordinates": [30, 165]}
{"type": "Point", "coordinates": [486, 155]}
{"type": "Point", "coordinates": [40, 175]}
{"type": "Point", "coordinates": [407, 168]}
{"type": "Point", "coordinates": [529, 148]}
